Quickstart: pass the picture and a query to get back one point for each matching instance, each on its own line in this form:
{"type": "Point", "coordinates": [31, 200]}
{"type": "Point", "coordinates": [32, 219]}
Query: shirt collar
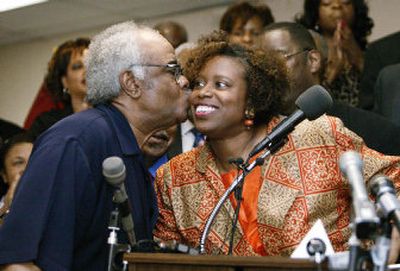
{"type": "Point", "coordinates": [123, 131]}
{"type": "Point", "coordinates": [186, 127]}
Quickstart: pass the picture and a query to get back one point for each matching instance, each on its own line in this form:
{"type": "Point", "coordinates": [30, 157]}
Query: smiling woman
{"type": "Point", "coordinates": [235, 99]}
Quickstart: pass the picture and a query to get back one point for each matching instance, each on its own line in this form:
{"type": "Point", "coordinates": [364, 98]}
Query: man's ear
{"type": "Point", "coordinates": [314, 61]}
{"type": "Point", "coordinates": [129, 84]}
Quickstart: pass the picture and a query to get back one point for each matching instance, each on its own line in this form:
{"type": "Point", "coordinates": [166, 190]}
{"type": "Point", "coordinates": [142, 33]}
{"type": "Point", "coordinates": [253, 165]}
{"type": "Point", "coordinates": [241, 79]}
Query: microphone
{"type": "Point", "coordinates": [382, 188]}
{"type": "Point", "coordinates": [312, 103]}
{"type": "Point", "coordinates": [365, 219]}
{"type": "Point", "coordinates": [114, 171]}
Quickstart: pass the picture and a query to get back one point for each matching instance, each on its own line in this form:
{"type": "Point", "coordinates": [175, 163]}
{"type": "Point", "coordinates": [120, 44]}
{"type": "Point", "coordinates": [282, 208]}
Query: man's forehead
{"type": "Point", "coordinates": [159, 50]}
{"type": "Point", "coordinates": [277, 39]}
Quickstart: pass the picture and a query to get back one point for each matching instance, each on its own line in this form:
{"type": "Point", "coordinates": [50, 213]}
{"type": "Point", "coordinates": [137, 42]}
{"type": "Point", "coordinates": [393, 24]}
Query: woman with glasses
{"type": "Point", "coordinates": [235, 99]}
{"type": "Point", "coordinates": [66, 81]}
{"type": "Point", "coordinates": [345, 25]}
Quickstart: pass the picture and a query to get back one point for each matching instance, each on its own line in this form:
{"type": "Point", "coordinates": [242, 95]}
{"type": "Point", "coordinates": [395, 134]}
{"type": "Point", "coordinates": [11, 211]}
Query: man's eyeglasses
{"type": "Point", "coordinates": [287, 56]}
{"type": "Point", "coordinates": [172, 68]}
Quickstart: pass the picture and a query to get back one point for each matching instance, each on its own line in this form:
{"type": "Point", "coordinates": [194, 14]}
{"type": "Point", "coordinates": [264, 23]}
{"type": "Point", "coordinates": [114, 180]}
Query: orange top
{"type": "Point", "coordinates": [248, 209]}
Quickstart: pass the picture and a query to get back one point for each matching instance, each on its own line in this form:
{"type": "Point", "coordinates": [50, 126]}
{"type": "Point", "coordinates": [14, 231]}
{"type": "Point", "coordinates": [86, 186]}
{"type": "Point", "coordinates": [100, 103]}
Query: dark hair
{"type": "Point", "coordinates": [265, 73]}
{"type": "Point", "coordinates": [5, 148]}
{"type": "Point", "coordinates": [57, 67]}
{"type": "Point", "coordinates": [171, 26]}
{"type": "Point", "coordinates": [362, 22]}
{"type": "Point", "coordinates": [245, 11]}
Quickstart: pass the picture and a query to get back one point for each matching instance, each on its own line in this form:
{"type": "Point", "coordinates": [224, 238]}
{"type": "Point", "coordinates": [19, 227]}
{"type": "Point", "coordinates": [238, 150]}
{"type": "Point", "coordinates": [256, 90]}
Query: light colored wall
{"type": "Point", "coordinates": [23, 65]}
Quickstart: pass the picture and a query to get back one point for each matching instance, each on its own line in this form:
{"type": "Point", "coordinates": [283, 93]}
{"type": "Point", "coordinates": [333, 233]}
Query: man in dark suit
{"type": "Point", "coordinates": [379, 54]}
{"type": "Point", "coordinates": [387, 93]}
{"type": "Point", "coordinates": [303, 61]}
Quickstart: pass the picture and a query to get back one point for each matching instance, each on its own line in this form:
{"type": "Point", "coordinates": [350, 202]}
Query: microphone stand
{"type": "Point", "coordinates": [380, 251]}
{"type": "Point", "coordinates": [115, 262]}
{"type": "Point", "coordinates": [238, 181]}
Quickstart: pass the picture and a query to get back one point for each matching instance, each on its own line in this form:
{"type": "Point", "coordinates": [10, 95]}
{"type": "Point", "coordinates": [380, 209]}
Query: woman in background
{"type": "Point", "coordinates": [66, 82]}
{"type": "Point", "coordinates": [235, 99]}
{"type": "Point", "coordinates": [345, 25]}
{"type": "Point", "coordinates": [244, 22]}
{"type": "Point", "coordinates": [14, 156]}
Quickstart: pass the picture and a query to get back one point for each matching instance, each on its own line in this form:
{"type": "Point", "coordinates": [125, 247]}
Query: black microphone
{"type": "Point", "coordinates": [365, 219]}
{"type": "Point", "coordinates": [312, 103]}
{"type": "Point", "coordinates": [382, 188]}
{"type": "Point", "coordinates": [114, 171]}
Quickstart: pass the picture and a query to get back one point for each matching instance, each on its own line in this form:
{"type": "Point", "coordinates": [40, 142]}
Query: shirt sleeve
{"type": "Point", "coordinates": [40, 225]}
{"type": "Point", "coordinates": [374, 162]}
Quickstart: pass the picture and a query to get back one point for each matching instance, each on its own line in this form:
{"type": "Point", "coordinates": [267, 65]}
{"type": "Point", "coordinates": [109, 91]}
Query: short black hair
{"type": "Point", "coordinates": [298, 34]}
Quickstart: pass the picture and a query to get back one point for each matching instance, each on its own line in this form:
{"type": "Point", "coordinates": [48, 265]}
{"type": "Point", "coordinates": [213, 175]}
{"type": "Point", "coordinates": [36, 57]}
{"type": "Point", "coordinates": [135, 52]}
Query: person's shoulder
{"type": "Point", "coordinates": [391, 70]}
{"type": "Point", "coordinates": [389, 40]}
{"type": "Point", "coordinates": [321, 131]}
{"type": "Point", "coordinates": [90, 124]}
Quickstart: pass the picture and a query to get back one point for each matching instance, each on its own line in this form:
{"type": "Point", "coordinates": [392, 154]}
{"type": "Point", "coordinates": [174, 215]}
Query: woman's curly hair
{"type": "Point", "coordinates": [265, 73]}
{"type": "Point", "coordinates": [58, 65]}
{"type": "Point", "coordinates": [362, 22]}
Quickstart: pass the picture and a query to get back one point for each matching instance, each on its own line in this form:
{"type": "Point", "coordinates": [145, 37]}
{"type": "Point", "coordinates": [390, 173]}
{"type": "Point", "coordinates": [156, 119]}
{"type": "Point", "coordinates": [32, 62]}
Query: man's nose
{"type": "Point", "coordinates": [183, 82]}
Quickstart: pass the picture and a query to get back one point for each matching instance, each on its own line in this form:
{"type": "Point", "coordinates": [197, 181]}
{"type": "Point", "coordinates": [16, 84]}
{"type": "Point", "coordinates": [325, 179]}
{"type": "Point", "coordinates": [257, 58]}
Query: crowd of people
{"type": "Point", "coordinates": [184, 118]}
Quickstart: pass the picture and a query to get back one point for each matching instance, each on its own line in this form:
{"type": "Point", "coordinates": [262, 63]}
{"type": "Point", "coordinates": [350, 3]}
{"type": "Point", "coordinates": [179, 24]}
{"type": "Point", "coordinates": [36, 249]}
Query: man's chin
{"type": "Point", "coordinates": [182, 118]}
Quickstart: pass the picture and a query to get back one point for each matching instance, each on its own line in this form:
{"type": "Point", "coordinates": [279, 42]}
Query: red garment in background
{"type": "Point", "coordinates": [43, 102]}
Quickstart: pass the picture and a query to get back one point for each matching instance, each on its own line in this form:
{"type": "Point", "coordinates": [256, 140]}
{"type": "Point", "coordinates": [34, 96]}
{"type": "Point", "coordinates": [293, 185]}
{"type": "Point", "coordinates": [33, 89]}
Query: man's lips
{"type": "Point", "coordinates": [160, 137]}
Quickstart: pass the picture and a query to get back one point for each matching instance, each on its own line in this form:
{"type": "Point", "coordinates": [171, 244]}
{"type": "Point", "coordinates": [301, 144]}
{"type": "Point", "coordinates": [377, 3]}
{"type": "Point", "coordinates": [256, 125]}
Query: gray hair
{"type": "Point", "coordinates": [110, 52]}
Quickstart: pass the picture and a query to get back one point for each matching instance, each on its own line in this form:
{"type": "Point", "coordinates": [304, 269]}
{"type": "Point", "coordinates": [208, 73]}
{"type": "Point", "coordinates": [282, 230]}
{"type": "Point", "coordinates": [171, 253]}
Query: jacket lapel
{"type": "Point", "coordinates": [222, 225]}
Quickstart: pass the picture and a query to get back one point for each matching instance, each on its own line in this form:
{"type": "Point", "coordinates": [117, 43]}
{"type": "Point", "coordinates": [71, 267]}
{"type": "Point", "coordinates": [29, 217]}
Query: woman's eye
{"type": "Point", "coordinates": [221, 85]}
{"type": "Point", "coordinates": [237, 33]}
{"type": "Point", "coordinates": [17, 163]}
{"type": "Point", "coordinates": [77, 66]}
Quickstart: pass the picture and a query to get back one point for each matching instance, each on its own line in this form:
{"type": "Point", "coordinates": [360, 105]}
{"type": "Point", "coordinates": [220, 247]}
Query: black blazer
{"type": "Point", "coordinates": [176, 146]}
{"type": "Point", "coordinates": [378, 132]}
{"type": "Point", "coordinates": [379, 54]}
{"type": "Point", "coordinates": [387, 93]}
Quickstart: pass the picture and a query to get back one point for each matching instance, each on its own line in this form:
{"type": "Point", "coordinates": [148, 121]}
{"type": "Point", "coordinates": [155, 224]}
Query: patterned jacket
{"type": "Point", "coordinates": [301, 183]}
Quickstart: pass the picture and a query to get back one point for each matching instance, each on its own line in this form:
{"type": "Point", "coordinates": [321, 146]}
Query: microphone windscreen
{"type": "Point", "coordinates": [314, 102]}
{"type": "Point", "coordinates": [350, 158]}
{"type": "Point", "coordinates": [114, 170]}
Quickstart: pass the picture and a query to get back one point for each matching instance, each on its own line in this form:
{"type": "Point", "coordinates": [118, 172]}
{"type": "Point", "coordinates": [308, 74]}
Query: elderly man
{"type": "Point", "coordinates": [61, 209]}
{"type": "Point", "coordinates": [303, 61]}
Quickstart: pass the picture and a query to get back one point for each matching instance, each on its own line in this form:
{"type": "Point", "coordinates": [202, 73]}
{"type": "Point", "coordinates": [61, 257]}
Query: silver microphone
{"type": "Point", "coordinates": [365, 219]}
{"type": "Point", "coordinates": [114, 171]}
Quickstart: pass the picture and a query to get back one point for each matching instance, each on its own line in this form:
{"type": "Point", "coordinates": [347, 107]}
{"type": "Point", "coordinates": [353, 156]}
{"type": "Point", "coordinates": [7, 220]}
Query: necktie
{"type": "Point", "coordinates": [198, 138]}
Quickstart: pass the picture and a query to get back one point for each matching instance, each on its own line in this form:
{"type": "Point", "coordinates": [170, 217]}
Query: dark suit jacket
{"type": "Point", "coordinates": [387, 93]}
{"type": "Point", "coordinates": [379, 54]}
{"type": "Point", "coordinates": [176, 145]}
{"type": "Point", "coordinates": [378, 132]}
